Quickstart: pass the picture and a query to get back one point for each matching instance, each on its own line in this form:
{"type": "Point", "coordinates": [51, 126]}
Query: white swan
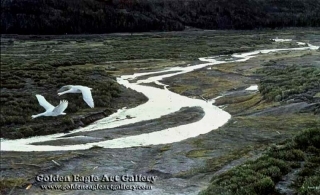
{"type": "Point", "coordinates": [50, 109]}
{"type": "Point", "coordinates": [86, 92]}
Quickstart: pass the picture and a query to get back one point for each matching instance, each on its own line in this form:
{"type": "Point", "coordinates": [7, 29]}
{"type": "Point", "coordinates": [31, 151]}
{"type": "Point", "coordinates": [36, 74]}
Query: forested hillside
{"type": "Point", "coordinates": [105, 16]}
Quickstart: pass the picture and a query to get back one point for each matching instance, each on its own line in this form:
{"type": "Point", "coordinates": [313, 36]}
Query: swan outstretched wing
{"type": "Point", "coordinates": [43, 102]}
{"type": "Point", "coordinates": [86, 92]}
{"type": "Point", "coordinates": [65, 88]}
{"type": "Point", "coordinates": [61, 107]}
{"type": "Point", "coordinates": [87, 96]}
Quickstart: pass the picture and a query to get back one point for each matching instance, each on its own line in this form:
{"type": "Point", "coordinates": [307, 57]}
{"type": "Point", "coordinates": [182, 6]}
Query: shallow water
{"type": "Point", "coordinates": [160, 102]}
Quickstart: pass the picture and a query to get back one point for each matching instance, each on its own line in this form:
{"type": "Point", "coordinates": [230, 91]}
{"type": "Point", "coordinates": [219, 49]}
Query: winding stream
{"type": "Point", "coordinates": [160, 102]}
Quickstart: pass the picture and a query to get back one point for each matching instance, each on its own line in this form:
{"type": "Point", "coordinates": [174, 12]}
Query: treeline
{"type": "Point", "coordinates": [105, 16]}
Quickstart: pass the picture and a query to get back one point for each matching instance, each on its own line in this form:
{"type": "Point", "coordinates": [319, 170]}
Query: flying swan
{"type": "Point", "coordinates": [86, 92]}
{"type": "Point", "coordinates": [50, 109]}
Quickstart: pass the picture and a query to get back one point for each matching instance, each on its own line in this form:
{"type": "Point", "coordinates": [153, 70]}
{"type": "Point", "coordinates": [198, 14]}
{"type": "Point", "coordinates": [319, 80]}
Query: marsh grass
{"type": "Point", "coordinates": [242, 105]}
{"type": "Point", "coordinates": [12, 183]}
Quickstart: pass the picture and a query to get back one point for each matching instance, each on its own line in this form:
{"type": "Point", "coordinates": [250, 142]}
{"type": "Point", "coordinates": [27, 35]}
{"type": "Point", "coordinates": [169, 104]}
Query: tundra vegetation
{"type": "Point", "coordinates": [42, 64]}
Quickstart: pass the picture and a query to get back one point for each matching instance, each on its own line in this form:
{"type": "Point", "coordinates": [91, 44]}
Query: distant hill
{"type": "Point", "coordinates": [105, 16]}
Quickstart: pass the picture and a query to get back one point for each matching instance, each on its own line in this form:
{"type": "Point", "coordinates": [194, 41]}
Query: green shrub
{"type": "Point", "coordinates": [264, 186]}
{"type": "Point", "coordinates": [288, 154]}
{"type": "Point", "coordinates": [259, 176]}
{"type": "Point", "coordinates": [311, 186]}
{"type": "Point", "coordinates": [68, 121]}
{"type": "Point", "coordinates": [309, 137]}
{"type": "Point", "coordinates": [273, 172]}
{"type": "Point", "coordinates": [26, 131]}
{"type": "Point", "coordinates": [282, 83]}
{"type": "Point", "coordinates": [266, 161]}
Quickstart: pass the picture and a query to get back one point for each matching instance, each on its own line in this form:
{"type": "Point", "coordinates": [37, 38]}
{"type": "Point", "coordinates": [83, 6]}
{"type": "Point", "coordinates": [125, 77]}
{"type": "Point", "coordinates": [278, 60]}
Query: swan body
{"type": "Point", "coordinates": [50, 109]}
{"type": "Point", "coordinates": [86, 92]}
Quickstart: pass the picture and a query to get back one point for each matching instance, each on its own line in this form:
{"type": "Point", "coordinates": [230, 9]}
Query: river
{"type": "Point", "coordinates": [161, 101]}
